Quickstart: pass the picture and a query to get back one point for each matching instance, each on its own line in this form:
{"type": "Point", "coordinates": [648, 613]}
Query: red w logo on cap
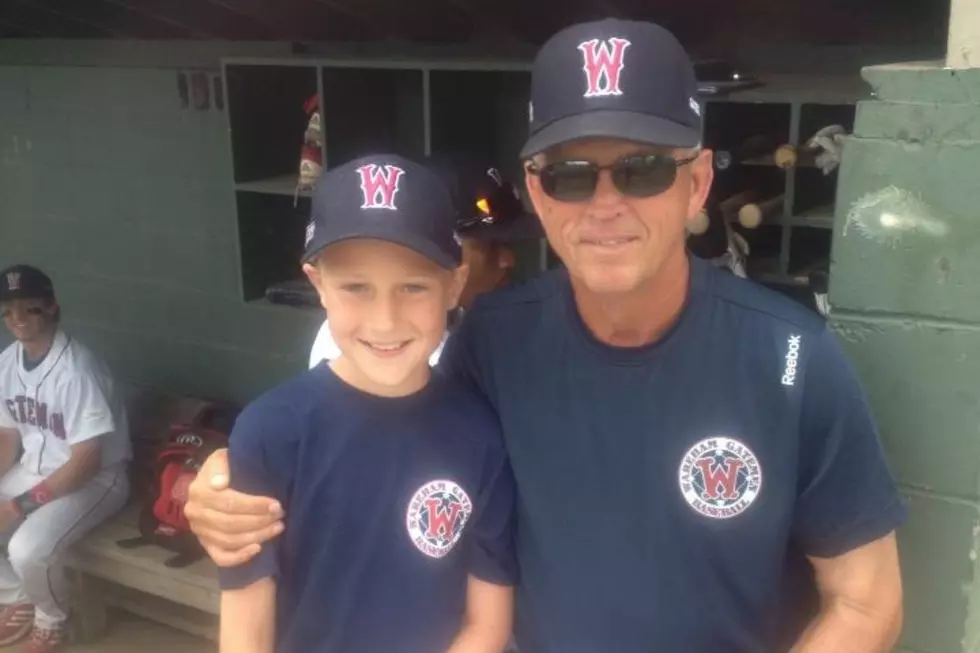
{"type": "Point", "coordinates": [380, 185]}
{"type": "Point", "coordinates": [603, 65]}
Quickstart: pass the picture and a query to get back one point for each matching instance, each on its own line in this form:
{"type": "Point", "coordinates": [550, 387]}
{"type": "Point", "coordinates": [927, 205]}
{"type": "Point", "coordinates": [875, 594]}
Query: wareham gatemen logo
{"type": "Point", "coordinates": [436, 516]}
{"type": "Point", "coordinates": [720, 477]}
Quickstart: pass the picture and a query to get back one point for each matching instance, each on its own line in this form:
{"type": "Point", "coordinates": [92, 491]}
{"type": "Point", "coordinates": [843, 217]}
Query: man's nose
{"type": "Point", "coordinates": [607, 201]}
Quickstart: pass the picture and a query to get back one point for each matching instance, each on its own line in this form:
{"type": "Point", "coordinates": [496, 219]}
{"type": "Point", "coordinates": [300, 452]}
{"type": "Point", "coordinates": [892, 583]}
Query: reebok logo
{"type": "Point", "coordinates": [792, 357]}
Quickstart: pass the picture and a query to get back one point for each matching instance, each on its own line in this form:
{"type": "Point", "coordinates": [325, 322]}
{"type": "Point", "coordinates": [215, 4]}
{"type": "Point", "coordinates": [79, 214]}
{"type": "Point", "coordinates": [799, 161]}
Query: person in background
{"type": "Point", "coordinates": [490, 221]}
{"type": "Point", "coordinates": [64, 445]}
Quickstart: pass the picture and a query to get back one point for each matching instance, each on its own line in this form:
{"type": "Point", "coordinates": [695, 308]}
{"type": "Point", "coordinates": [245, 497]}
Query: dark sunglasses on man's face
{"type": "Point", "coordinates": [633, 176]}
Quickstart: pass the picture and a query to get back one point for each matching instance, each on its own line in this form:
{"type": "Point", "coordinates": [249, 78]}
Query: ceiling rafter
{"type": "Point", "coordinates": [128, 6]}
{"type": "Point", "coordinates": [63, 16]}
{"type": "Point", "coordinates": [484, 16]}
{"type": "Point", "coordinates": [19, 29]}
{"type": "Point", "coordinates": [122, 22]}
{"type": "Point", "coordinates": [216, 19]}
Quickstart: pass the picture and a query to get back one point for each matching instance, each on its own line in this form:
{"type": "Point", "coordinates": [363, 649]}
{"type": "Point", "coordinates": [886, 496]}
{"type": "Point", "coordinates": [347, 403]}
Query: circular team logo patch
{"type": "Point", "coordinates": [720, 477]}
{"type": "Point", "coordinates": [436, 516]}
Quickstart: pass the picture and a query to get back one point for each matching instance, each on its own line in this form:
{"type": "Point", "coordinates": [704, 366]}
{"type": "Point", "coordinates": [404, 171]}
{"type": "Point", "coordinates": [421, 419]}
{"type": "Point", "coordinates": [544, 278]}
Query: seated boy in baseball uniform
{"type": "Point", "coordinates": [396, 488]}
{"type": "Point", "coordinates": [64, 444]}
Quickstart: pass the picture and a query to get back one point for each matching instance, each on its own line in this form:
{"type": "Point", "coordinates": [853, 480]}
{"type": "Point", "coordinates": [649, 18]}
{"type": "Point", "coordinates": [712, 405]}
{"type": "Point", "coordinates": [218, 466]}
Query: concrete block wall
{"type": "Point", "coordinates": [905, 291]}
{"type": "Point", "coordinates": [125, 197]}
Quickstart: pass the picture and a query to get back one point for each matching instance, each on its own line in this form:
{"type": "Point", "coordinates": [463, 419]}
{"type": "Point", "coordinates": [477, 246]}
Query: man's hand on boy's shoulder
{"type": "Point", "coordinates": [231, 525]}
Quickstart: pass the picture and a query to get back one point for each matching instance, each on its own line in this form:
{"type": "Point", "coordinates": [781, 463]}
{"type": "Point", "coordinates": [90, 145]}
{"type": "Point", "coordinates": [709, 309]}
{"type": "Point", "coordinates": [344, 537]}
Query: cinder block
{"type": "Point", "coordinates": [190, 317]}
{"type": "Point", "coordinates": [906, 235]}
{"type": "Point", "coordinates": [13, 90]}
{"type": "Point", "coordinates": [938, 549]}
{"type": "Point", "coordinates": [186, 368]}
{"type": "Point", "coordinates": [921, 382]}
{"type": "Point", "coordinates": [917, 122]}
{"type": "Point", "coordinates": [927, 81]}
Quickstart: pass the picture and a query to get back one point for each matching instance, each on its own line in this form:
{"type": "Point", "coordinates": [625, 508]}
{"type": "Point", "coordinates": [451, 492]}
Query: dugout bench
{"type": "Point", "coordinates": [105, 575]}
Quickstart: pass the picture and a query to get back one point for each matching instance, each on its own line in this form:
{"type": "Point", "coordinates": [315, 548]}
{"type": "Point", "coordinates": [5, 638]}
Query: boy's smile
{"type": "Point", "coordinates": [387, 308]}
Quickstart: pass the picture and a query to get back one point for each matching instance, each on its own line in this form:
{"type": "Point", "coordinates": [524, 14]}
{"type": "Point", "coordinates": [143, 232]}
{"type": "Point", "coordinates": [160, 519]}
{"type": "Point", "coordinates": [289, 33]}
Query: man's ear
{"type": "Point", "coordinates": [534, 192]}
{"type": "Point", "coordinates": [459, 277]}
{"type": "Point", "coordinates": [702, 176]}
{"type": "Point", "coordinates": [312, 273]}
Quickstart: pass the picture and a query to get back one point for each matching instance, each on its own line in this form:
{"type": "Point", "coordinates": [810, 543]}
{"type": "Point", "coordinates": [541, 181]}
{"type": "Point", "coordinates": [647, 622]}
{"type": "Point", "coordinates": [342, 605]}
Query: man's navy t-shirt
{"type": "Point", "coordinates": [668, 493]}
{"type": "Point", "coordinates": [390, 504]}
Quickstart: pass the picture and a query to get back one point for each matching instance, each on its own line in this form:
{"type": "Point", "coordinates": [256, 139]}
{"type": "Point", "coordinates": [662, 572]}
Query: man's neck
{"type": "Point", "coordinates": [640, 317]}
{"type": "Point", "coordinates": [37, 348]}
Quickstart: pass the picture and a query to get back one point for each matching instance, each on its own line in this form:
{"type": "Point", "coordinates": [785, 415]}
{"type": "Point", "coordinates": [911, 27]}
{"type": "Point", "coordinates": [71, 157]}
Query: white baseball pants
{"type": "Point", "coordinates": [33, 571]}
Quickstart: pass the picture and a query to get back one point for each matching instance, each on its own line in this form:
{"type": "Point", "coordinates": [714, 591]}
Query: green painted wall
{"type": "Point", "coordinates": [125, 198]}
{"type": "Point", "coordinates": [905, 289]}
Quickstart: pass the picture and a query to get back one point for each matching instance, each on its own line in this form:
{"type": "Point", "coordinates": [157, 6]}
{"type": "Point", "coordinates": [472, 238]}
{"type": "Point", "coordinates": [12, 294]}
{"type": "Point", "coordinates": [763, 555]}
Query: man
{"type": "Point", "coordinates": [685, 442]}
{"type": "Point", "coordinates": [490, 220]}
{"type": "Point", "coordinates": [64, 444]}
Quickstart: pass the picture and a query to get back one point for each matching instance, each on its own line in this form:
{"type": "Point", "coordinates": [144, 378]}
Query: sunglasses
{"type": "Point", "coordinates": [633, 176]}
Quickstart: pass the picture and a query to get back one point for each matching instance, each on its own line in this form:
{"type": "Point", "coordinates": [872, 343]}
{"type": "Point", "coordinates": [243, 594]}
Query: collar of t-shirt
{"type": "Point", "coordinates": [699, 286]}
{"type": "Point", "coordinates": [31, 370]}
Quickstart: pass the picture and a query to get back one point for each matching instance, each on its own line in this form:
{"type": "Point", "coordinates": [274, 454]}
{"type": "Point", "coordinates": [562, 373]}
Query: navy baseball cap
{"type": "Point", "coordinates": [24, 282]}
{"type": "Point", "coordinates": [385, 197]}
{"type": "Point", "coordinates": [612, 78]}
{"type": "Point", "coordinates": [488, 206]}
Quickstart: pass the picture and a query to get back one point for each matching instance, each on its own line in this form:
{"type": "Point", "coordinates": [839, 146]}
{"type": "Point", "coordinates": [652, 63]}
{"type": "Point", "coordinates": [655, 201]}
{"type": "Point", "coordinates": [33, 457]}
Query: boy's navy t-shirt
{"type": "Point", "coordinates": [669, 493]}
{"type": "Point", "coordinates": [390, 504]}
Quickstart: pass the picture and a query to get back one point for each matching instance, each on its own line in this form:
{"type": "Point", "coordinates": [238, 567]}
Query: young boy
{"type": "Point", "coordinates": [395, 484]}
{"type": "Point", "coordinates": [490, 220]}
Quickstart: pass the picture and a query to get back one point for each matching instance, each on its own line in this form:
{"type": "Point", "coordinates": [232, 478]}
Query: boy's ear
{"type": "Point", "coordinates": [459, 277]}
{"type": "Point", "coordinates": [312, 273]}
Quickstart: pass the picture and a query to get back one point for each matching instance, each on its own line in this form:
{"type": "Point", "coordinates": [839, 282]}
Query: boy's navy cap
{"type": "Point", "coordinates": [618, 79]}
{"type": "Point", "coordinates": [386, 197]}
{"type": "Point", "coordinates": [24, 282]}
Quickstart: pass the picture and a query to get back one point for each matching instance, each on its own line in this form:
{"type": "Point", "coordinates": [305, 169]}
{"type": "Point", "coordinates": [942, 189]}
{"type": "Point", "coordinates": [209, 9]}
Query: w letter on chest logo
{"type": "Point", "coordinates": [603, 64]}
{"type": "Point", "coordinates": [442, 521]}
{"type": "Point", "coordinates": [379, 185]}
{"type": "Point", "coordinates": [720, 479]}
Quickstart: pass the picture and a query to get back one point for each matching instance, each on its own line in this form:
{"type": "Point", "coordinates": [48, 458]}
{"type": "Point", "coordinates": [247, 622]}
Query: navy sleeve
{"type": "Point", "coordinates": [491, 555]}
{"type": "Point", "coordinates": [847, 496]}
{"type": "Point", "coordinates": [458, 360]}
{"type": "Point", "coordinates": [259, 461]}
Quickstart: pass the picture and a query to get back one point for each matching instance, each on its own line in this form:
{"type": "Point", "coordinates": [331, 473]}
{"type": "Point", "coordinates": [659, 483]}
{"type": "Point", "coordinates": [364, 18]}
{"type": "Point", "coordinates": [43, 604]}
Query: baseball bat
{"type": "Point", "coordinates": [752, 215]}
{"type": "Point", "coordinates": [729, 207]}
{"type": "Point", "coordinates": [749, 148]}
{"type": "Point", "coordinates": [793, 156]}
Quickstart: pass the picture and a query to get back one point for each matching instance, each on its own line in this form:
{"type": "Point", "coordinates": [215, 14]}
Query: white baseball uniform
{"type": "Point", "coordinates": [324, 347]}
{"type": "Point", "coordinates": [67, 399]}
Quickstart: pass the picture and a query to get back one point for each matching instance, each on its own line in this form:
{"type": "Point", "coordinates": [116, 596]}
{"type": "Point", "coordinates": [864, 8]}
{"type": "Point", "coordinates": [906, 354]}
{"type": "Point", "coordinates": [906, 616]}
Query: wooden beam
{"type": "Point", "coordinates": [963, 45]}
{"type": "Point", "coordinates": [155, 16]}
{"type": "Point", "coordinates": [104, 16]}
{"type": "Point", "coordinates": [17, 29]}
{"type": "Point", "coordinates": [53, 22]}
{"type": "Point", "coordinates": [485, 18]}
{"type": "Point", "coordinates": [213, 20]}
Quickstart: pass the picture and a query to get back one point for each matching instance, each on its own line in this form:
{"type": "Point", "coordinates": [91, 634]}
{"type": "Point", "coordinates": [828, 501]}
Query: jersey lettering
{"type": "Point", "coordinates": [603, 64]}
{"type": "Point", "coordinates": [25, 410]}
{"type": "Point", "coordinates": [720, 480]}
{"type": "Point", "coordinates": [380, 185]}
